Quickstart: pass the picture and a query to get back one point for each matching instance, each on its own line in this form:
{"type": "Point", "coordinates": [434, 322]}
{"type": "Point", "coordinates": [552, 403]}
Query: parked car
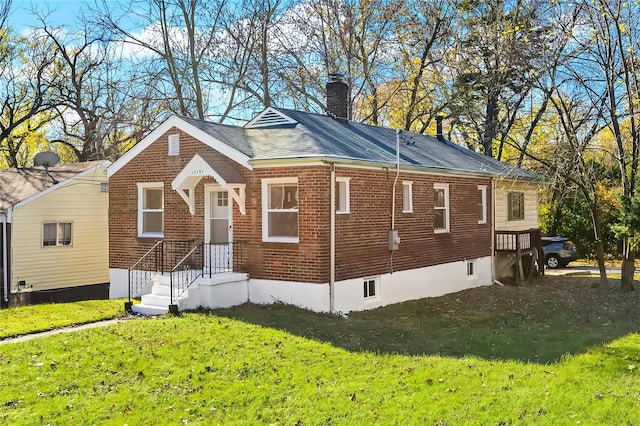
{"type": "Point", "coordinates": [558, 251]}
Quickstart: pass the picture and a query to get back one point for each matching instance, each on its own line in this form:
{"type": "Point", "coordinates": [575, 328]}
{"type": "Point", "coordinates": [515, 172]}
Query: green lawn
{"type": "Point", "coordinates": [35, 318]}
{"type": "Point", "coordinates": [559, 352]}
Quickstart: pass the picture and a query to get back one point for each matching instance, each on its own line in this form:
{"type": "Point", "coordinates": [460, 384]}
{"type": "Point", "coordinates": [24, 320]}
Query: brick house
{"type": "Point", "coordinates": [308, 209]}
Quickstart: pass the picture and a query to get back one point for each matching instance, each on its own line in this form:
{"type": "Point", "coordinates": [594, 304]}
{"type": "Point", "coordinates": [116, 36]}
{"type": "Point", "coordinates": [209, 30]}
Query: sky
{"type": "Point", "coordinates": [60, 13]}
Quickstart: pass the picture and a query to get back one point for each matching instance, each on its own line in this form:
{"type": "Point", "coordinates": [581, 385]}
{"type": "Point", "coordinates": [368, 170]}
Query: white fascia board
{"type": "Point", "coordinates": [361, 164]}
{"type": "Point", "coordinates": [179, 123]}
{"type": "Point", "coordinates": [62, 184]}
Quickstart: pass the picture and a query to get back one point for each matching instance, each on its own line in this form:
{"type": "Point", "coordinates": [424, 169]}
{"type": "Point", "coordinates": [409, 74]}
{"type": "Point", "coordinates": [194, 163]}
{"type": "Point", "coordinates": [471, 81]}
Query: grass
{"type": "Point", "coordinates": [459, 359]}
{"type": "Point", "coordinates": [37, 318]}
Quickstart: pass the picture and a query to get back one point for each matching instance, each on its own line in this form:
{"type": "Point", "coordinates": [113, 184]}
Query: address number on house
{"type": "Point", "coordinates": [197, 172]}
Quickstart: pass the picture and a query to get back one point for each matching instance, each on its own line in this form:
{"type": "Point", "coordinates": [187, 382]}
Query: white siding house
{"type": "Point", "coordinates": [56, 228]}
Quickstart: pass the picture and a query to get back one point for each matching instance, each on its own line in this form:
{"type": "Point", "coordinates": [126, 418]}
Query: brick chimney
{"type": "Point", "coordinates": [338, 97]}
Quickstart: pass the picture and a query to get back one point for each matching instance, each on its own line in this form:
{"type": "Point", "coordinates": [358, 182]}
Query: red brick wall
{"type": "Point", "coordinates": [307, 261]}
{"type": "Point", "coordinates": [153, 165]}
{"type": "Point", "coordinates": [362, 246]}
{"type": "Point", "coordinates": [361, 236]}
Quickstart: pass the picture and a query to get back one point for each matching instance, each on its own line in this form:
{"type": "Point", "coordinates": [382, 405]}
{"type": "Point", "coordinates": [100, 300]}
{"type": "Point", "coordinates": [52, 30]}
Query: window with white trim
{"type": "Point", "coordinates": [151, 210]}
{"type": "Point", "coordinates": [515, 205]}
{"type": "Point", "coordinates": [342, 195]}
{"type": "Point", "coordinates": [407, 197]}
{"type": "Point", "coordinates": [471, 268]}
{"type": "Point", "coordinates": [441, 208]}
{"type": "Point", "coordinates": [370, 288]}
{"type": "Point", "coordinates": [56, 234]}
{"type": "Point", "coordinates": [280, 210]}
{"type": "Point", "coordinates": [482, 204]}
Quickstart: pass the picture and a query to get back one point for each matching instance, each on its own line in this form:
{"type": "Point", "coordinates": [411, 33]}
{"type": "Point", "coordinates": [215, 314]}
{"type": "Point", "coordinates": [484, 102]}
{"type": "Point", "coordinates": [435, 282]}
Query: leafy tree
{"type": "Point", "coordinates": [26, 78]}
{"type": "Point", "coordinates": [498, 44]}
{"type": "Point", "coordinates": [97, 108]}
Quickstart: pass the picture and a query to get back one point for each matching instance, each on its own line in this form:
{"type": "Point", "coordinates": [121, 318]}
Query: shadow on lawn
{"type": "Point", "coordinates": [539, 322]}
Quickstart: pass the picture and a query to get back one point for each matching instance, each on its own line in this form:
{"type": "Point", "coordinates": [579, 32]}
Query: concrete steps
{"type": "Point", "coordinates": [157, 302]}
{"type": "Point", "coordinates": [221, 290]}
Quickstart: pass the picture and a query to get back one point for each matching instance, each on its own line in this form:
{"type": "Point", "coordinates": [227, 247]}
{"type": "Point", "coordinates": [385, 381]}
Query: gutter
{"type": "Point", "coordinates": [346, 162]}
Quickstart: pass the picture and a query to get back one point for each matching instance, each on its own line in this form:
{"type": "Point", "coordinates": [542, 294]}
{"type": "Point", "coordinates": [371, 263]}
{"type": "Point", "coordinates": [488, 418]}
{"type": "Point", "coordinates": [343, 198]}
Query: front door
{"type": "Point", "coordinates": [218, 231]}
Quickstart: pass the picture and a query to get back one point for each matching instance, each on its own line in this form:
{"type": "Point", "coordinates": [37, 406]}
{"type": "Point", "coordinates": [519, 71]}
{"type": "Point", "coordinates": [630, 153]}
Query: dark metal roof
{"type": "Point", "coordinates": [317, 135]}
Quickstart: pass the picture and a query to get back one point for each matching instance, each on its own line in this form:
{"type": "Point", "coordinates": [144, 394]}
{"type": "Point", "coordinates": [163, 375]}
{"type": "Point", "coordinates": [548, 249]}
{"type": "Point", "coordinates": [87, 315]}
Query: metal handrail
{"type": "Point", "coordinates": [153, 250]}
{"type": "Point", "coordinates": [175, 269]}
{"type": "Point", "coordinates": [146, 254]}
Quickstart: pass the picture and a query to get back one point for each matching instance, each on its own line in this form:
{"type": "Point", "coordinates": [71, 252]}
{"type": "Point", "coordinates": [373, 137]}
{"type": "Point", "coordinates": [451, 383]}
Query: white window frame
{"type": "Point", "coordinates": [483, 189]}
{"type": "Point", "coordinates": [472, 269]}
{"type": "Point", "coordinates": [445, 187]}
{"type": "Point", "coordinates": [265, 210]}
{"type": "Point", "coordinates": [407, 198]}
{"type": "Point", "coordinates": [343, 195]}
{"type": "Point", "coordinates": [365, 287]}
{"type": "Point", "coordinates": [58, 234]}
{"type": "Point", "coordinates": [141, 187]}
{"type": "Point", "coordinates": [510, 218]}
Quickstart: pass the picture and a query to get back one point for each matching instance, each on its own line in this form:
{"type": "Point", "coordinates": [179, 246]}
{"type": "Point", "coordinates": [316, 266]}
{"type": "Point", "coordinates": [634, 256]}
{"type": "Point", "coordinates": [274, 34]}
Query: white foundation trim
{"type": "Point", "coordinates": [401, 286]}
{"type": "Point", "coordinates": [119, 283]}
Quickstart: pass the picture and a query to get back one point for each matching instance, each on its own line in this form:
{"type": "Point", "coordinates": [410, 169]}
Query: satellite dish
{"type": "Point", "coordinates": [46, 159]}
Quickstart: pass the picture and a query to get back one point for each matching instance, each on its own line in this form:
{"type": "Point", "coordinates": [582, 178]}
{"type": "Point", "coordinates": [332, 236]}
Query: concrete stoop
{"type": "Point", "coordinates": [199, 294]}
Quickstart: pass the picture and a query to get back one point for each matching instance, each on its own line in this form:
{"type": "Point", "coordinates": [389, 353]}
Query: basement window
{"type": "Point", "coordinates": [471, 268]}
{"type": "Point", "coordinates": [370, 288]}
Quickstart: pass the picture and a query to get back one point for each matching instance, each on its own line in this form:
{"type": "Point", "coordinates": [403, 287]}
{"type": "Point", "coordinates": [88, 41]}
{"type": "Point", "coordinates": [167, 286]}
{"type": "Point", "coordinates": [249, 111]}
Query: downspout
{"type": "Point", "coordinates": [493, 231]}
{"type": "Point", "coordinates": [393, 191]}
{"type": "Point", "coordinates": [332, 239]}
{"type": "Point", "coordinates": [5, 258]}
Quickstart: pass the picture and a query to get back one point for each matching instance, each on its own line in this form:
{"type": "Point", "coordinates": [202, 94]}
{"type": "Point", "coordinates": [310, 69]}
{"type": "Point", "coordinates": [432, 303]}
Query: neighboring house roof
{"type": "Point", "coordinates": [17, 185]}
{"type": "Point", "coordinates": [283, 134]}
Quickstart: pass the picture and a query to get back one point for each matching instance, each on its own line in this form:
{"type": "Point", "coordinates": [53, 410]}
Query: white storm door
{"type": "Point", "coordinates": [218, 230]}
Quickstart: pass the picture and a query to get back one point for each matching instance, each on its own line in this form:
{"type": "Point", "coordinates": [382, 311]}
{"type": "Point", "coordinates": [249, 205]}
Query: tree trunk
{"type": "Point", "coordinates": [597, 233]}
{"type": "Point", "coordinates": [628, 266]}
{"type": "Point", "coordinates": [601, 266]}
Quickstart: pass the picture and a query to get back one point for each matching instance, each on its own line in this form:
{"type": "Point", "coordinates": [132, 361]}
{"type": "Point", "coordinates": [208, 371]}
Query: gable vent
{"type": "Point", "coordinates": [270, 117]}
{"type": "Point", "coordinates": [174, 144]}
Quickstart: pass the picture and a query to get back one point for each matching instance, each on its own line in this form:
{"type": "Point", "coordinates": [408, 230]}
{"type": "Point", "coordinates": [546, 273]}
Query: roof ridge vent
{"type": "Point", "coordinates": [270, 117]}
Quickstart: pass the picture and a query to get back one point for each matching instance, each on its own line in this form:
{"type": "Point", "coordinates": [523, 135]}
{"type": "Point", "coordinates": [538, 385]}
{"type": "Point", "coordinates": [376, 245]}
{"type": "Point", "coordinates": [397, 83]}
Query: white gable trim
{"type": "Point", "coordinates": [270, 117]}
{"type": "Point", "coordinates": [179, 123]}
{"type": "Point", "coordinates": [52, 188]}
